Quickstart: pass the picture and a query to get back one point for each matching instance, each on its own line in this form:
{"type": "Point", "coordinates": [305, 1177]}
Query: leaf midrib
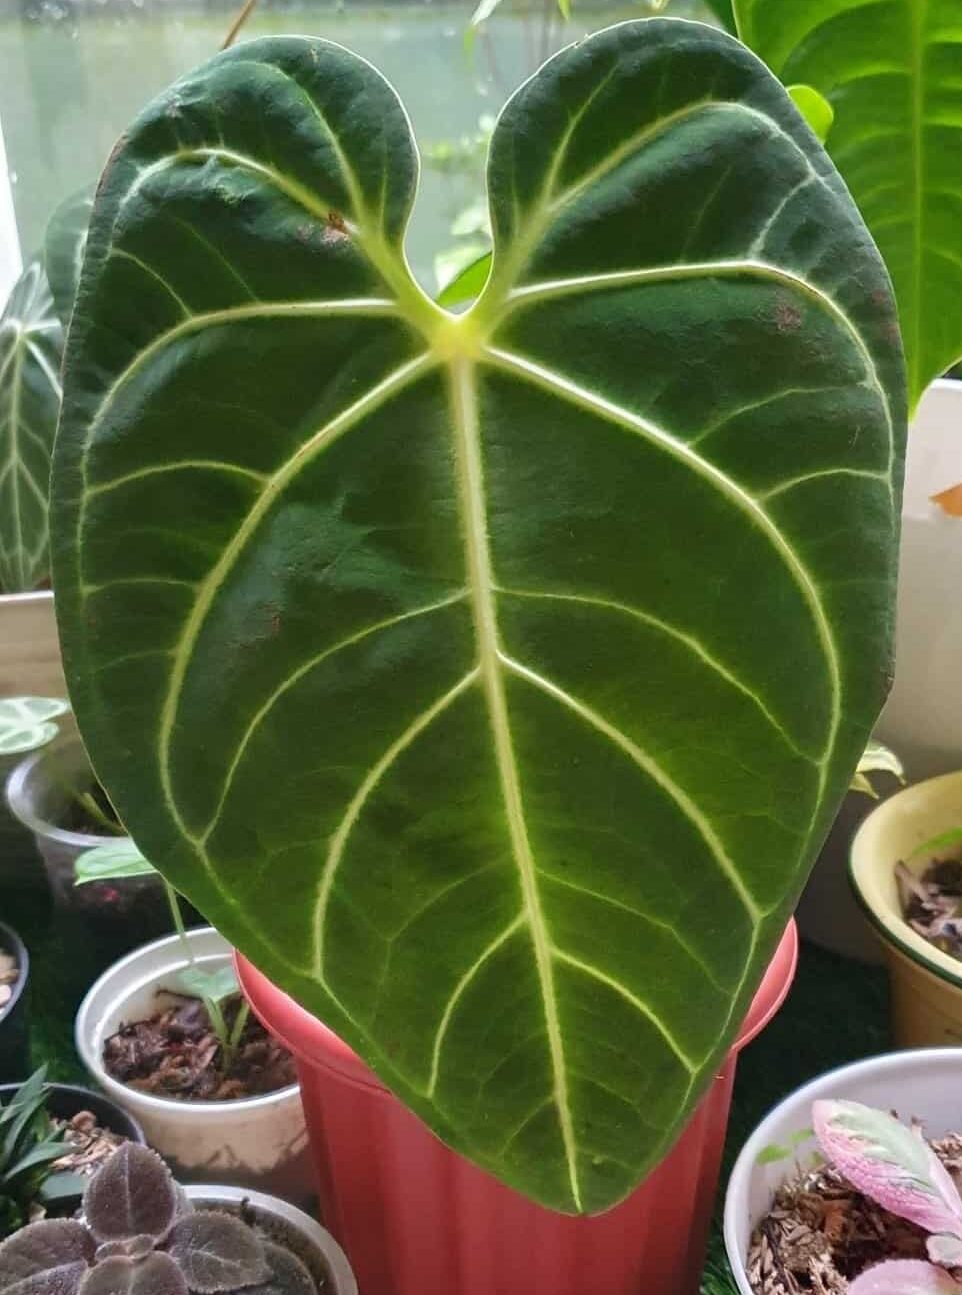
{"type": "Point", "coordinates": [481, 586]}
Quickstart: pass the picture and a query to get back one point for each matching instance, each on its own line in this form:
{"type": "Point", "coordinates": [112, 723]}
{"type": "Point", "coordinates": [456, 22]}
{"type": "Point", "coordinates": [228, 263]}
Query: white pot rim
{"type": "Point", "coordinates": [21, 807]}
{"type": "Point", "coordinates": [345, 1282]}
{"type": "Point", "coordinates": [867, 847]}
{"type": "Point", "coordinates": [88, 1040]}
{"type": "Point", "coordinates": [822, 1086]}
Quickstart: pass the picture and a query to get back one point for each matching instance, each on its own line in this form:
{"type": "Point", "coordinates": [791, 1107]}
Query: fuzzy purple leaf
{"type": "Point", "coordinates": [889, 1163]}
{"type": "Point", "coordinates": [130, 1248]}
{"type": "Point", "coordinates": [904, 1277]}
{"type": "Point", "coordinates": [155, 1275]}
{"type": "Point", "coordinates": [217, 1253]}
{"type": "Point", "coordinates": [46, 1258]}
{"type": "Point", "coordinates": [289, 1276]}
{"type": "Point", "coordinates": [133, 1195]}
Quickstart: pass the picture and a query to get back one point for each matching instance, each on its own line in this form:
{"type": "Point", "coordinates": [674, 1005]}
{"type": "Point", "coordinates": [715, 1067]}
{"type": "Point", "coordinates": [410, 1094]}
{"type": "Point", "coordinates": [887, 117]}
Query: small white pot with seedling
{"type": "Point", "coordinates": [139, 1232]}
{"type": "Point", "coordinates": [832, 1187]}
{"type": "Point", "coordinates": [165, 1032]}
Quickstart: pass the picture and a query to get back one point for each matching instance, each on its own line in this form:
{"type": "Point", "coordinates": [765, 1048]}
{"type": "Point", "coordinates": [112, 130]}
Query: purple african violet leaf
{"type": "Point", "coordinates": [890, 1163]}
{"type": "Point", "coordinates": [46, 1258]}
{"type": "Point", "coordinates": [155, 1275]}
{"type": "Point", "coordinates": [130, 1248]}
{"type": "Point", "coordinates": [216, 1252]}
{"type": "Point", "coordinates": [905, 1277]}
{"type": "Point", "coordinates": [133, 1195]}
{"type": "Point", "coordinates": [289, 1276]}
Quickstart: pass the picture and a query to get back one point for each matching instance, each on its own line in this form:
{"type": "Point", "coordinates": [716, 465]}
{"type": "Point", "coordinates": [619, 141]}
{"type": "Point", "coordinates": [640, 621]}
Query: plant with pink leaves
{"type": "Point", "coordinates": [895, 1167]}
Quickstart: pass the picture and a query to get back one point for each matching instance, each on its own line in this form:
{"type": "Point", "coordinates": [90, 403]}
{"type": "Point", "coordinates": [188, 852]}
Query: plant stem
{"type": "Point", "coordinates": [238, 23]}
{"type": "Point", "coordinates": [173, 903]}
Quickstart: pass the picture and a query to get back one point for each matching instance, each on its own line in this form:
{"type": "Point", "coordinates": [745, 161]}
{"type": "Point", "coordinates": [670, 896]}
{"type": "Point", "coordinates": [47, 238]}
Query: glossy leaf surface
{"type": "Point", "coordinates": [31, 347]}
{"type": "Point", "coordinates": [890, 71]}
{"type": "Point", "coordinates": [489, 680]}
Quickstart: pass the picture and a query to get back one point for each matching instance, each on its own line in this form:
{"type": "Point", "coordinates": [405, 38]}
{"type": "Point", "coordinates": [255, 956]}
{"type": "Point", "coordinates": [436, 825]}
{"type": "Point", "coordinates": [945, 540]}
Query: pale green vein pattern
{"type": "Point", "coordinates": [31, 338]}
{"type": "Point", "coordinates": [490, 680]}
{"type": "Point", "coordinates": [891, 70]}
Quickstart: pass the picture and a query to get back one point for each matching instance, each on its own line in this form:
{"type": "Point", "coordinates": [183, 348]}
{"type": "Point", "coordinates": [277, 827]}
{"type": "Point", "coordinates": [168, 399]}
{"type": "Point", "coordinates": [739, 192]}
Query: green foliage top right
{"type": "Point", "coordinates": [892, 71]}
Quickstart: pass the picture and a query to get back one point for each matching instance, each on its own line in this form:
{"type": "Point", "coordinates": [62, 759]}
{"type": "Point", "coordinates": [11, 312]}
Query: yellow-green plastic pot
{"type": "Point", "coordinates": [926, 983]}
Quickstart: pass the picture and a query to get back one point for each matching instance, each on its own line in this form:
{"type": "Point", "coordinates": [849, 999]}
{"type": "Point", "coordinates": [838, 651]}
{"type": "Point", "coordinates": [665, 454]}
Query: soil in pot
{"type": "Point", "coordinates": [88, 1143]}
{"type": "Point", "coordinates": [821, 1233]}
{"type": "Point", "coordinates": [176, 1053]}
{"type": "Point", "coordinates": [932, 903]}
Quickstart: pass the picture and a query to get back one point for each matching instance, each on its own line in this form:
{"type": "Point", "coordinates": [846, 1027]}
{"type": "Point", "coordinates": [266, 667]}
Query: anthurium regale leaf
{"type": "Point", "coordinates": [31, 345]}
{"type": "Point", "coordinates": [489, 680]}
{"type": "Point", "coordinates": [63, 249]}
{"type": "Point", "coordinates": [890, 71]}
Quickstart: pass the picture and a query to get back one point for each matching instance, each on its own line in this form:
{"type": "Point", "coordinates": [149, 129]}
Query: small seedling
{"type": "Point", "coordinates": [896, 1168]}
{"type": "Point", "coordinates": [122, 860]}
{"type": "Point", "coordinates": [29, 723]}
{"type": "Point", "coordinates": [29, 1148]}
{"type": "Point", "coordinates": [139, 1235]}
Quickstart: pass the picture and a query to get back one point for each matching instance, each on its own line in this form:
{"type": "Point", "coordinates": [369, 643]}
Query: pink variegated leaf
{"type": "Point", "coordinates": [890, 1163]}
{"type": "Point", "coordinates": [945, 1250]}
{"type": "Point", "coordinates": [905, 1277]}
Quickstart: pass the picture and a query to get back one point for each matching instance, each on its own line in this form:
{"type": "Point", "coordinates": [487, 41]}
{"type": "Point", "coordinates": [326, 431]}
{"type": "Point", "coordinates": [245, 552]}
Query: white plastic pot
{"type": "Point", "coordinates": [291, 1227]}
{"type": "Point", "coordinates": [925, 1083]}
{"type": "Point", "coordinates": [922, 721]}
{"type": "Point", "coordinates": [258, 1142]}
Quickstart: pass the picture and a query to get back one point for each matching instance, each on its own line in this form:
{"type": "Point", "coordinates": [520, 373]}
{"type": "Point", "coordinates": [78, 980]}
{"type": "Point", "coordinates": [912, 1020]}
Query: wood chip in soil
{"type": "Point", "coordinates": [90, 1145]}
{"type": "Point", "coordinates": [821, 1233]}
{"type": "Point", "coordinates": [932, 903]}
{"type": "Point", "coordinates": [175, 1053]}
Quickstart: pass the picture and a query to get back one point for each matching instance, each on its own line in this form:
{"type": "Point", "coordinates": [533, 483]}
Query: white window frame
{"type": "Point", "coordinates": [11, 259]}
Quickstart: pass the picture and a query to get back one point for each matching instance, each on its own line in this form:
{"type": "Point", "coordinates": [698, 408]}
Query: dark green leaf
{"type": "Point", "coordinates": [63, 250]}
{"type": "Point", "coordinates": [492, 679]}
{"type": "Point", "coordinates": [31, 346]}
{"type": "Point", "coordinates": [891, 73]}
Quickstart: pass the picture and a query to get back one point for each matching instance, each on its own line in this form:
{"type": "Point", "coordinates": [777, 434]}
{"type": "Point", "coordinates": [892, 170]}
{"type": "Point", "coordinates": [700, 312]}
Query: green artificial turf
{"type": "Point", "coordinates": [837, 1011]}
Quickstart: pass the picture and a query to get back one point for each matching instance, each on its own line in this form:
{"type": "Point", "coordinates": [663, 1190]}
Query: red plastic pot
{"type": "Point", "coordinates": [417, 1219]}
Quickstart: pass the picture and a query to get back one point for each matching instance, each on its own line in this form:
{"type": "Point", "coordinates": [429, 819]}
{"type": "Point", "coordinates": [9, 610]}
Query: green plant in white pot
{"type": "Point", "coordinates": [890, 73]}
{"type": "Point", "coordinates": [489, 680]}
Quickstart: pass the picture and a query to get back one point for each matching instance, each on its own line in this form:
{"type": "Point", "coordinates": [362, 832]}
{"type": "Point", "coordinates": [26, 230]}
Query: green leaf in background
{"type": "Point", "coordinates": [891, 72]}
{"type": "Point", "coordinates": [815, 108]}
{"type": "Point", "coordinates": [111, 862]}
{"type": "Point", "coordinates": [467, 284]}
{"type": "Point", "coordinates": [31, 347]}
{"type": "Point", "coordinates": [490, 680]}
{"type": "Point", "coordinates": [876, 758]}
{"type": "Point", "coordinates": [27, 723]}
{"type": "Point", "coordinates": [722, 9]}
{"type": "Point", "coordinates": [63, 250]}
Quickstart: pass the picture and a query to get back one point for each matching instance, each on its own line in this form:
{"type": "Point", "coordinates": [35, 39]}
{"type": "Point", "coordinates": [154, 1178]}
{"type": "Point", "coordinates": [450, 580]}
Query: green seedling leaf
{"type": "Point", "coordinates": [468, 284]}
{"type": "Point", "coordinates": [114, 861]}
{"type": "Point", "coordinates": [211, 985]}
{"type": "Point", "coordinates": [876, 758]}
{"type": "Point", "coordinates": [891, 76]}
{"type": "Point", "coordinates": [28, 723]}
{"type": "Point", "coordinates": [941, 841]}
{"type": "Point", "coordinates": [31, 349]}
{"type": "Point", "coordinates": [524, 643]}
{"type": "Point", "coordinates": [815, 108]}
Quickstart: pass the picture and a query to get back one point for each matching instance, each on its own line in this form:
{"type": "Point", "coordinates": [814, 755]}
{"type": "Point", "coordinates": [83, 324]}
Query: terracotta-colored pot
{"type": "Point", "coordinates": [415, 1218]}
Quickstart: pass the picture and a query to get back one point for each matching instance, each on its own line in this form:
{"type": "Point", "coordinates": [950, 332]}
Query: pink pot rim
{"type": "Point", "coordinates": [312, 1042]}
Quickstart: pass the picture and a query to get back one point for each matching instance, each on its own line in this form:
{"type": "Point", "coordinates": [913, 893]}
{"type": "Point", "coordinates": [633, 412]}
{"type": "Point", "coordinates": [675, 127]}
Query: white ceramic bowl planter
{"type": "Point", "coordinates": [925, 1084]}
{"type": "Point", "coordinates": [253, 1142]}
{"type": "Point", "coordinates": [288, 1226]}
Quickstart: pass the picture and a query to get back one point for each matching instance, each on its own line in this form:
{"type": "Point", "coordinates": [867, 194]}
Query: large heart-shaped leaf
{"type": "Point", "coordinates": [490, 680]}
{"type": "Point", "coordinates": [31, 345]}
{"type": "Point", "coordinates": [891, 71]}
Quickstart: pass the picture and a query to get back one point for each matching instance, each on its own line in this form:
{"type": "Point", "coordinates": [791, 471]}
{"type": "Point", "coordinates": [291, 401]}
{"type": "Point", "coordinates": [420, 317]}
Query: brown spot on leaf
{"type": "Point", "coordinates": [335, 230]}
{"type": "Point", "coordinates": [788, 317]}
{"type": "Point", "coordinates": [950, 501]}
